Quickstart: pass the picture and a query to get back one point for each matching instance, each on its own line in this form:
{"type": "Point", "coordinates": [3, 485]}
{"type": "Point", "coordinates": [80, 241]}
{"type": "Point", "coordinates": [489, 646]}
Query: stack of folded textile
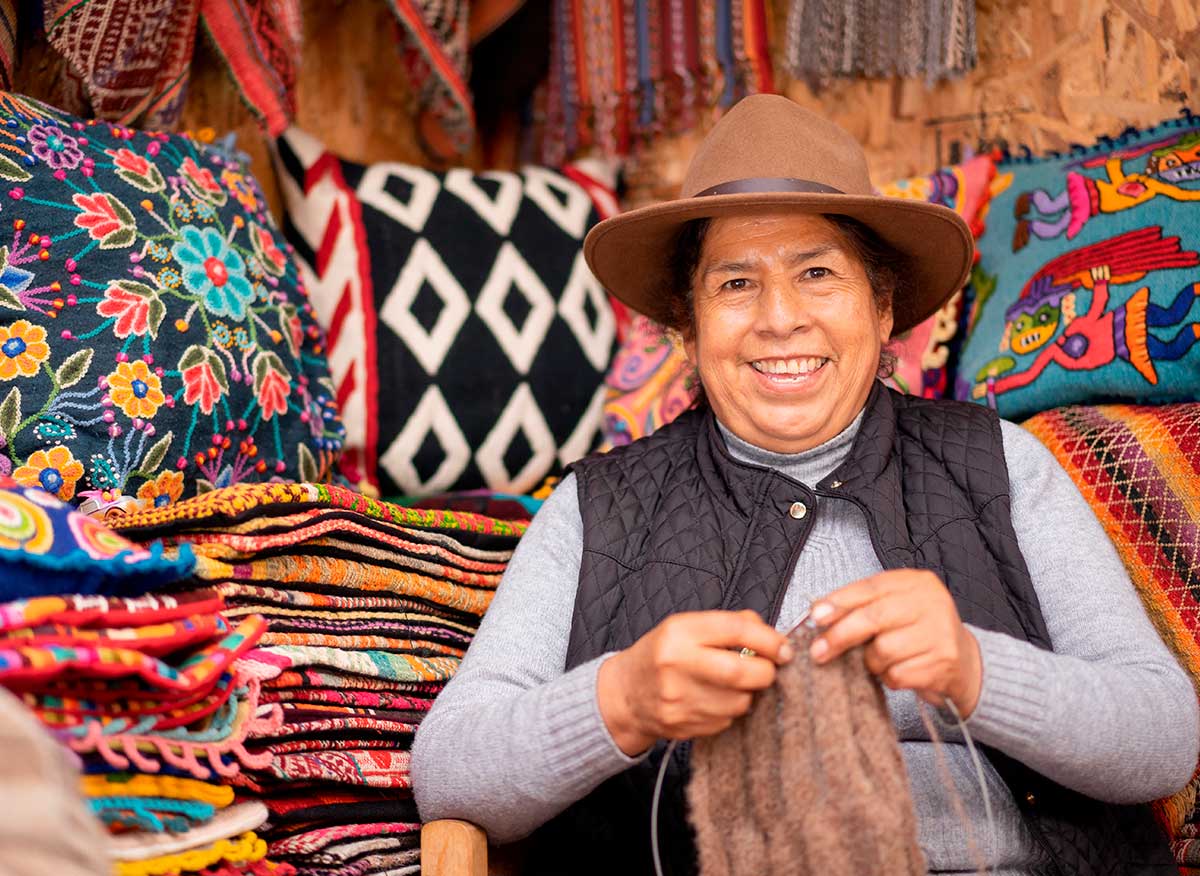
{"type": "Point", "coordinates": [369, 607]}
{"type": "Point", "coordinates": [149, 692]}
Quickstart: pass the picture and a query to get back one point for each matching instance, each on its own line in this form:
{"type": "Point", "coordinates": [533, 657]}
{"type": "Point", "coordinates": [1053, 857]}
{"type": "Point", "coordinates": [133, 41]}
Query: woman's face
{"type": "Point", "coordinates": [787, 333]}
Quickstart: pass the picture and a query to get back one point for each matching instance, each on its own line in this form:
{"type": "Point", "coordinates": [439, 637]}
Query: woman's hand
{"type": "Point", "coordinates": [914, 638]}
{"type": "Point", "coordinates": [685, 678]}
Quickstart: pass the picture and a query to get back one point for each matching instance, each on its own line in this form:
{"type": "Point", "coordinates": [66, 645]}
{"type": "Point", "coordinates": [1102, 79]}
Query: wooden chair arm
{"type": "Point", "coordinates": [453, 848]}
{"type": "Point", "coordinates": [459, 848]}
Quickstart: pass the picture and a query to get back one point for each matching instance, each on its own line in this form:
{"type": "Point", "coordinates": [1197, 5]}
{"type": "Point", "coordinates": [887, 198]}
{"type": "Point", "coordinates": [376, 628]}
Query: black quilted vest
{"type": "Point", "coordinates": [674, 523]}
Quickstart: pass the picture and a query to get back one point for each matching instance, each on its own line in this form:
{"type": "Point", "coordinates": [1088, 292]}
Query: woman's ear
{"type": "Point", "coordinates": [886, 321]}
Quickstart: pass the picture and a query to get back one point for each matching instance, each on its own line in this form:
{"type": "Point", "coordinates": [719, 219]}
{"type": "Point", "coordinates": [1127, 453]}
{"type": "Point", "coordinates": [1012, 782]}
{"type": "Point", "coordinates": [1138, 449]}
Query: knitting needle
{"type": "Point", "coordinates": [805, 620]}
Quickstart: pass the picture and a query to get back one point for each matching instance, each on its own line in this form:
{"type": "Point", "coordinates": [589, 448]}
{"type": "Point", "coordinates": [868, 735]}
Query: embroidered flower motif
{"type": "Point", "coordinates": [55, 470]}
{"type": "Point", "coordinates": [164, 490]}
{"type": "Point", "coordinates": [23, 349]}
{"type": "Point", "coordinates": [271, 385]}
{"type": "Point", "coordinates": [204, 380]}
{"type": "Point", "coordinates": [200, 183]}
{"type": "Point", "coordinates": [137, 170]}
{"type": "Point", "coordinates": [220, 334]}
{"type": "Point", "coordinates": [135, 389]}
{"type": "Point", "coordinates": [213, 270]}
{"type": "Point", "coordinates": [205, 212]}
{"type": "Point", "coordinates": [241, 189]}
{"type": "Point", "coordinates": [169, 278]}
{"type": "Point", "coordinates": [60, 151]}
{"type": "Point", "coordinates": [13, 281]}
{"type": "Point", "coordinates": [274, 260]}
{"type": "Point", "coordinates": [106, 219]}
{"type": "Point", "coordinates": [135, 306]}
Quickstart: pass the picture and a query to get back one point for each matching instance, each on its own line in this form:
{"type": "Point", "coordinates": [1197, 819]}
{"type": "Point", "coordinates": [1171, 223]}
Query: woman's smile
{"type": "Point", "coordinates": [789, 374]}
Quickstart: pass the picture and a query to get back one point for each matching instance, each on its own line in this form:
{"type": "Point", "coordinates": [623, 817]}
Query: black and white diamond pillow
{"type": "Point", "coordinates": [468, 340]}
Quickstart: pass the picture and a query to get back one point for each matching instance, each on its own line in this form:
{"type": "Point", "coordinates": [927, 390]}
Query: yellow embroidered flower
{"type": "Point", "coordinates": [163, 490]}
{"type": "Point", "coordinates": [241, 189]}
{"type": "Point", "coordinates": [135, 389]}
{"type": "Point", "coordinates": [23, 348]}
{"type": "Point", "coordinates": [55, 471]}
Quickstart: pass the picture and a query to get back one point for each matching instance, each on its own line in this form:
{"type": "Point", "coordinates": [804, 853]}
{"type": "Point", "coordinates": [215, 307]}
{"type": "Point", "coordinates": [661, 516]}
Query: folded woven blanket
{"type": "Point", "coordinates": [314, 840]}
{"type": "Point", "coordinates": [296, 814]}
{"type": "Point", "coordinates": [140, 785]}
{"type": "Point", "coordinates": [348, 698]}
{"type": "Point", "coordinates": [23, 667]}
{"type": "Point", "coordinates": [268, 662]}
{"type": "Point", "coordinates": [291, 679]}
{"type": "Point", "coordinates": [85, 610]}
{"type": "Point", "coordinates": [244, 501]}
{"type": "Point", "coordinates": [154, 639]}
{"type": "Point", "coordinates": [168, 713]}
{"type": "Point", "coordinates": [151, 814]}
{"type": "Point", "coordinates": [261, 867]}
{"type": "Point", "coordinates": [234, 821]}
{"type": "Point", "coordinates": [385, 768]}
{"type": "Point", "coordinates": [243, 849]}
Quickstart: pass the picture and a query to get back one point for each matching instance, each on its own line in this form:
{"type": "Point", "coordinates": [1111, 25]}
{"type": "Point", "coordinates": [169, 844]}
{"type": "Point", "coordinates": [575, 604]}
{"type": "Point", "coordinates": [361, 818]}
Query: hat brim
{"type": "Point", "coordinates": [630, 254]}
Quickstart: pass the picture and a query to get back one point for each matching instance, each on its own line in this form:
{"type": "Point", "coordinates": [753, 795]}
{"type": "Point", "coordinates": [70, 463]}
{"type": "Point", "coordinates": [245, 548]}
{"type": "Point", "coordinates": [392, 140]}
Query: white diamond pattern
{"type": "Point", "coordinates": [596, 342]}
{"type": "Point", "coordinates": [508, 271]}
{"type": "Point", "coordinates": [521, 414]}
{"type": "Point", "coordinates": [424, 265]}
{"type": "Point", "coordinates": [560, 199]}
{"type": "Point", "coordinates": [500, 211]}
{"type": "Point", "coordinates": [432, 415]}
{"type": "Point", "coordinates": [415, 213]}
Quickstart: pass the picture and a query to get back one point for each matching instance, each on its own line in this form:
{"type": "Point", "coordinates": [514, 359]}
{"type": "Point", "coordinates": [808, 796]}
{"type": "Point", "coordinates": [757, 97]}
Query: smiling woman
{"type": "Point", "coordinates": [927, 533]}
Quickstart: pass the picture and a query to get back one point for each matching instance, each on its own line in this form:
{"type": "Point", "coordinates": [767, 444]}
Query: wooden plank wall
{"type": "Point", "coordinates": [1051, 72]}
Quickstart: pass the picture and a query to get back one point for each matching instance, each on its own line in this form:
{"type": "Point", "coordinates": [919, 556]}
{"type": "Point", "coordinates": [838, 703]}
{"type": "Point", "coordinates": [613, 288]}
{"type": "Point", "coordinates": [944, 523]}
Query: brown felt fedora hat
{"type": "Point", "coordinates": [768, 153]}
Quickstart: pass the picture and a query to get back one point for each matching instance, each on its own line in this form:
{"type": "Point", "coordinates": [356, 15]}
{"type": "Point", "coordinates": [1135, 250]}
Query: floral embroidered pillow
{"type": "Point", "coordinates": [155, 338]}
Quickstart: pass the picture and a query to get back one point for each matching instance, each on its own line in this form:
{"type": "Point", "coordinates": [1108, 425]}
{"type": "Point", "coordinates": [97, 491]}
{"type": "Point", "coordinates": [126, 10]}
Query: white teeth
{"type": "Point", "coordinates": [803, 365]}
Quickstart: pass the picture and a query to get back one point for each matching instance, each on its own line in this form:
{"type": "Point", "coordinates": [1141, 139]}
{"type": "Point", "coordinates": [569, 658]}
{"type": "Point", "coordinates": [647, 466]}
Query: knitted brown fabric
{"type": "Point", "coordinates": [809, 782]}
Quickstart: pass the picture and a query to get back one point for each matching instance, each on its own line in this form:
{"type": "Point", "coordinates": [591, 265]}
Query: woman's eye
{"type": "Point", "coordinates": [737, 284]}
{"type": "Point", "coordinates": [816, 273]}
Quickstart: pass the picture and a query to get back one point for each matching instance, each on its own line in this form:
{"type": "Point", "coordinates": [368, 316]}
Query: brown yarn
{"type": "Point", "coordinates": [810, 781]}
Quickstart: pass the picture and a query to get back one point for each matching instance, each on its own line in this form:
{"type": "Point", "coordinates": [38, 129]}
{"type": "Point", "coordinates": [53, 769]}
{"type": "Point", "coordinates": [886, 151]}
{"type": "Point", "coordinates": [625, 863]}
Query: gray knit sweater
{"type": "Point", "coordinates": [513, 739]}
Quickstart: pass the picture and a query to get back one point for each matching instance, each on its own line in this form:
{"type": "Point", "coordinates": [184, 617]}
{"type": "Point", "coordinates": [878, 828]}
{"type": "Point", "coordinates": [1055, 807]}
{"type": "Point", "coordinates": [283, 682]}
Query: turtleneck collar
{"type": "Point", "coordinates": [809, 467]}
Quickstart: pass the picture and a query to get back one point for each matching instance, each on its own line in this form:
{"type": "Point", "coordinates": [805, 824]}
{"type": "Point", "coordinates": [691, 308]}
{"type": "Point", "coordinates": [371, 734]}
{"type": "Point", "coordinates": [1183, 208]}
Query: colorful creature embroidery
{"type": "Point", "coordinates": [1098, 336]}
{"type": "Point", "coordinates": [1172, 171]}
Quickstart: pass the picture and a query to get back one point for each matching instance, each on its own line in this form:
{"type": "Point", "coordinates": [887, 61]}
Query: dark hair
{"type": "Point", "coordinates": [886, 269]}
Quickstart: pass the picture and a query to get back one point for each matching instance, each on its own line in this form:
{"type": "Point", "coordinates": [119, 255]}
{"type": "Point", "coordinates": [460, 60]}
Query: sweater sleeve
{"type": "Point", "coordinates": [513, 739]}
{"type": "Point", "coordinates": [1109, 713]}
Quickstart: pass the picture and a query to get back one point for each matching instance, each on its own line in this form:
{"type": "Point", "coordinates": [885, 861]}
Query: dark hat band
{"type": "Point", "coordinates": [759, 184]}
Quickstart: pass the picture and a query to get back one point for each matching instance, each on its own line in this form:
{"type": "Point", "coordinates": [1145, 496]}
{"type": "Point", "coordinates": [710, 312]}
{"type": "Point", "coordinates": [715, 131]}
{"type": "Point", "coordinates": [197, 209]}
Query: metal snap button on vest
{"type": "Point", "coordinates": [835, 485]}
{"type": "Point", "coordinates": [798, 510]}
{"type": "Point", "coordinates": [1030, 799]}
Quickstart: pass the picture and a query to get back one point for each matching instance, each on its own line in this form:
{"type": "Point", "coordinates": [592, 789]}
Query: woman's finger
{"type": "Point", "coordinates": [896, 646]}
{"type": "Point", "coordinates": [722, 668]}
{"type": "Point", "coordinates": [919, 673]}
{"type": "Point", "coordinates": [861, 625]}
{"type": "Point", "coordinates": [736, 630]}
{"type": "Point", "coordinates": [829, 609]}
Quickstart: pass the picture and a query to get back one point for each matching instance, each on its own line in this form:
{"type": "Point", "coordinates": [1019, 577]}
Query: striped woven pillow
{"type": "Point", "coordinates": [1138, 466]}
